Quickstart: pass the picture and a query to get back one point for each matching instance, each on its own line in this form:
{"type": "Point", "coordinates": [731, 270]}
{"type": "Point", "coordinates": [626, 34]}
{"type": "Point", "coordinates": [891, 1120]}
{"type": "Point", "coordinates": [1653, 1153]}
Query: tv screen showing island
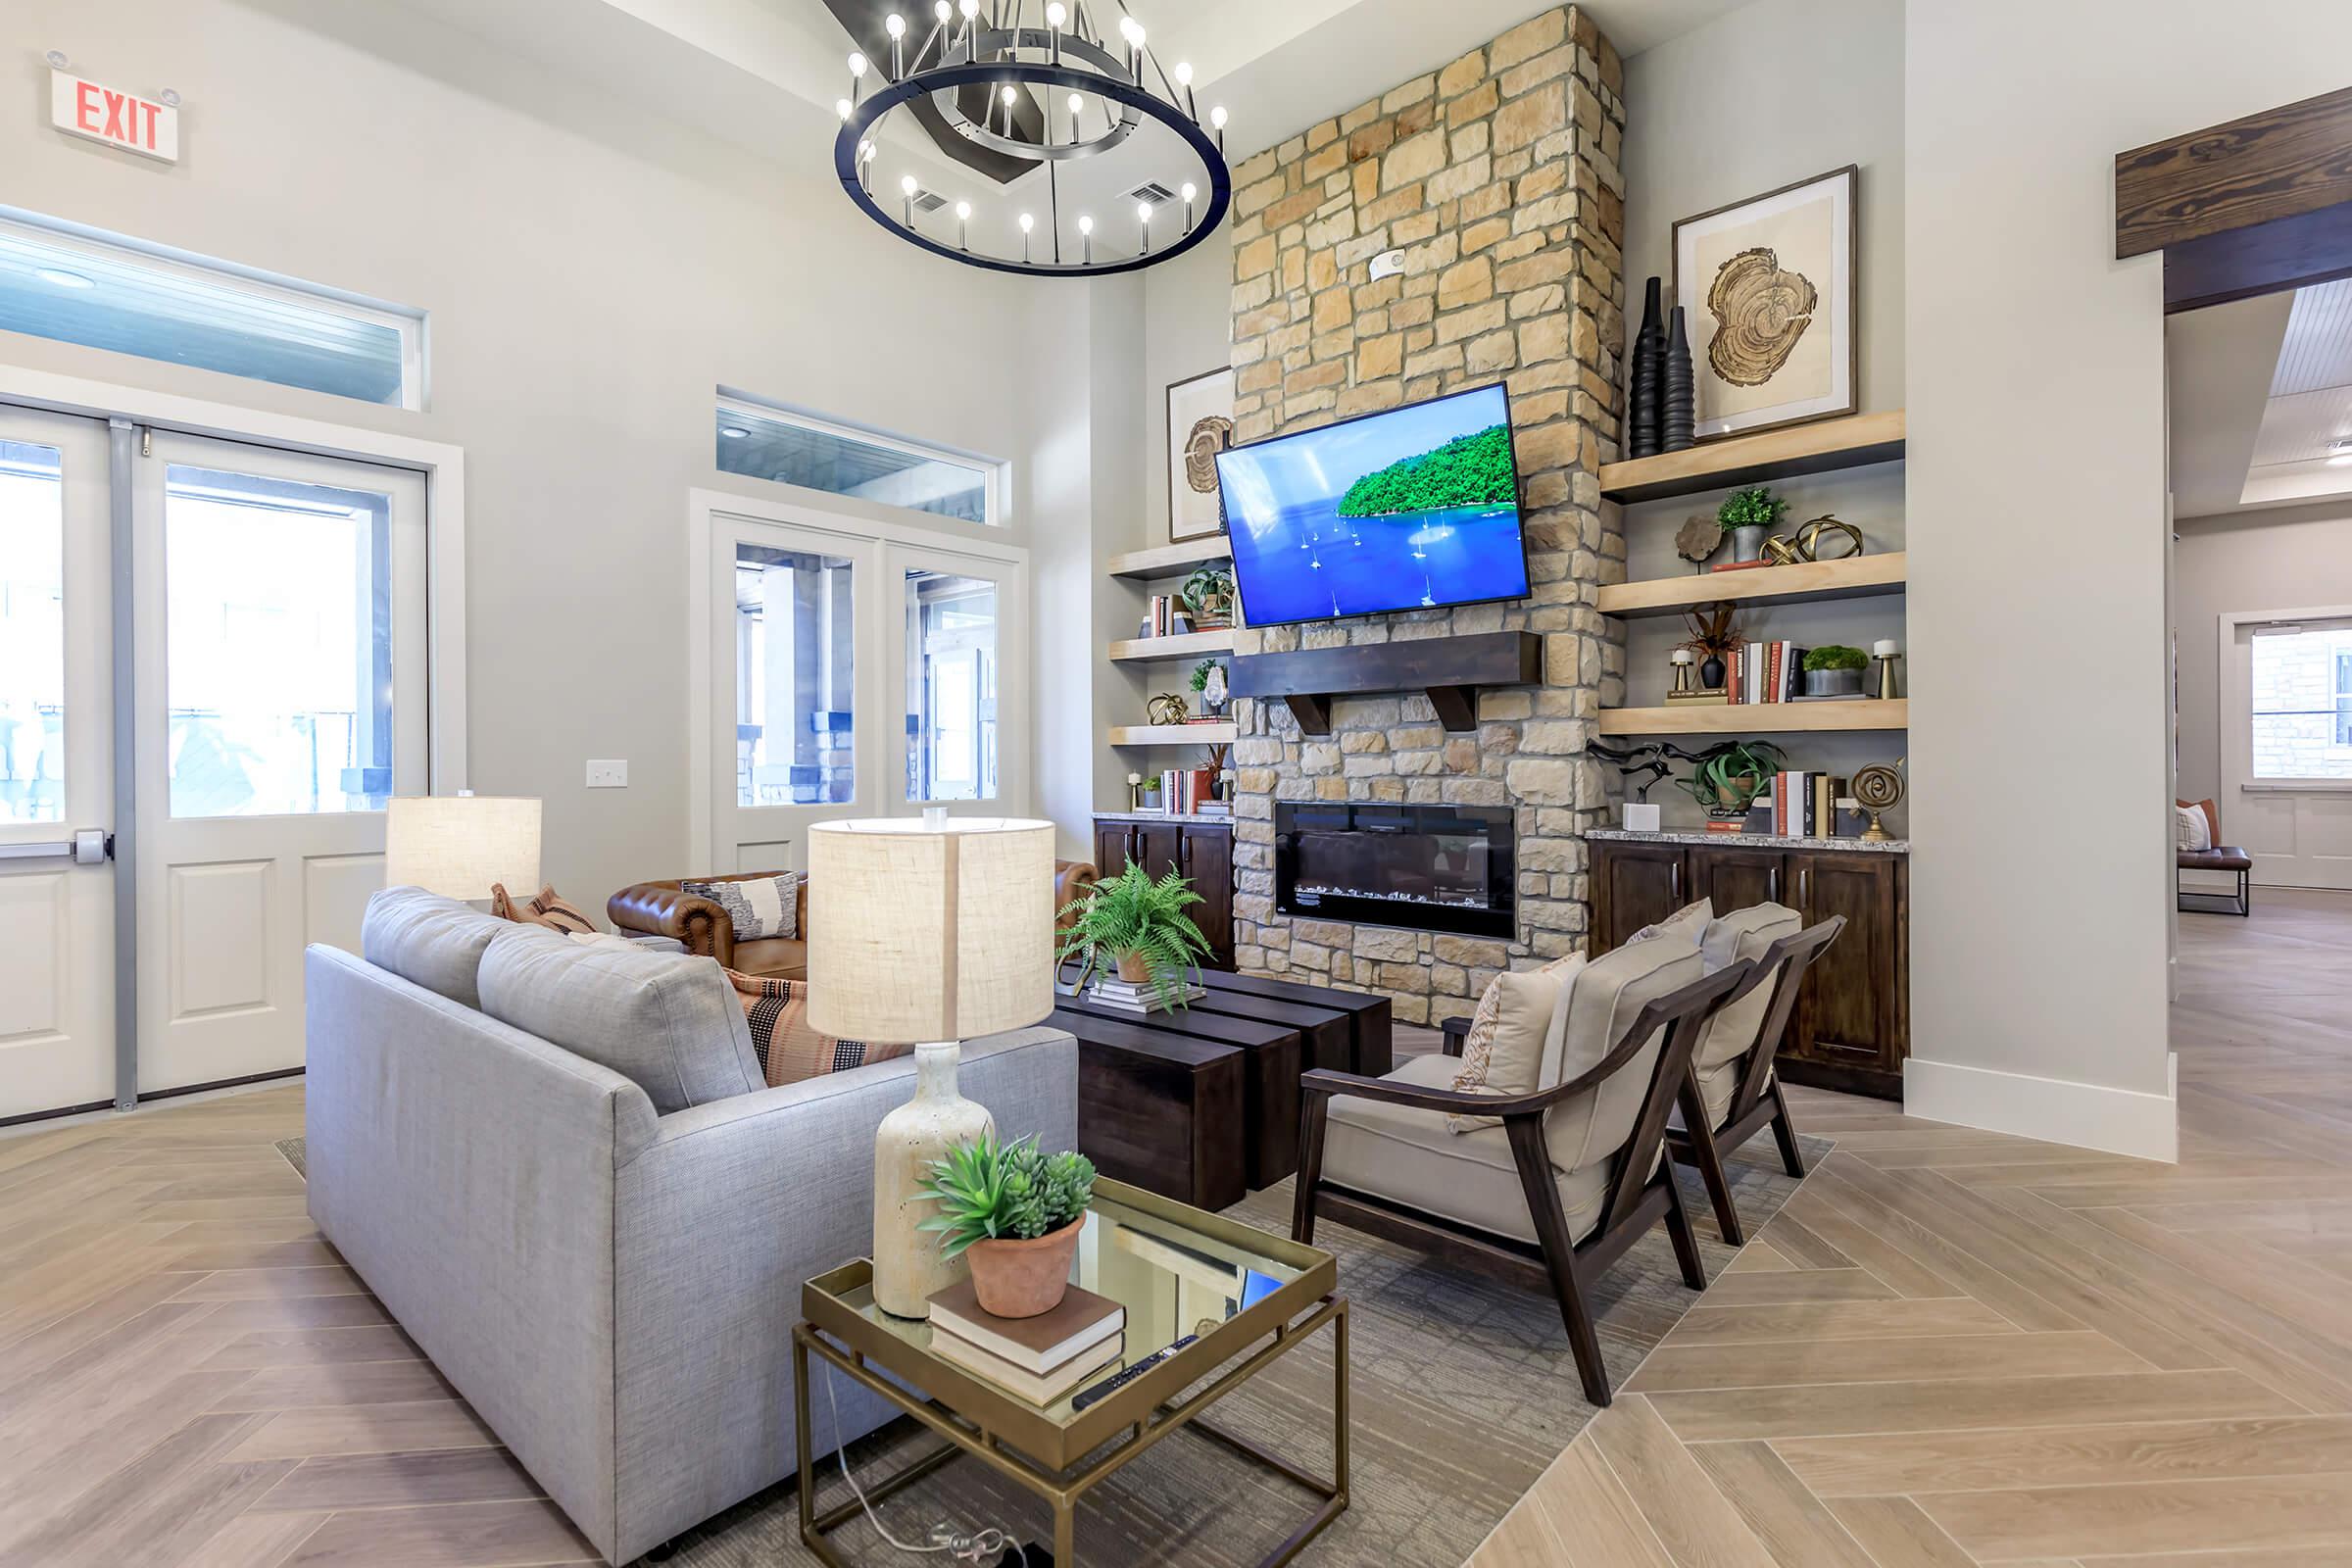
{"type": "Point", "coordinates": [1405, 510]}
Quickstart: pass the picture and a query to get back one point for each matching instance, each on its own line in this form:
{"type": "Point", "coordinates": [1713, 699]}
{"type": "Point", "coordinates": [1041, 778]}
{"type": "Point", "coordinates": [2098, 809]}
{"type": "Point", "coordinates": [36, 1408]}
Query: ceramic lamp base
{"type": "Point", "coordinates": [908, 1267]}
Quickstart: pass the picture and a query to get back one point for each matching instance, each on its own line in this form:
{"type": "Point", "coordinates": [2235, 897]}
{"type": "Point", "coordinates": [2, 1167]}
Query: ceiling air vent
{"type": "Point", "coordinates": [1155, 193]}
{"type": "Point", "coordinates": [929, 201]}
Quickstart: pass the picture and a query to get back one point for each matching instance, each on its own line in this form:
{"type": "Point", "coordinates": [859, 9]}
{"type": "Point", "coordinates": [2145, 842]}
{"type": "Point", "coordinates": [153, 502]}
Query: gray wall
{"type": "Point", "coordinates": [592, 274]}
{"type": "Point", "coordinates": [2253, 560]}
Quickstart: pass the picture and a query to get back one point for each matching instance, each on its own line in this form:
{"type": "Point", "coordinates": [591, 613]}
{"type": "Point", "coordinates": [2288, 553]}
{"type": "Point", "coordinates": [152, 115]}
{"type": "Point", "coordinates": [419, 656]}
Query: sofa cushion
{"type": "Point", "coordinates": [669, 1023]}
{"type": "Point", "coordinates": [1609, 993]}
{"type": "Point", "coordinates": [1732, 1033]}
{"type": "Point", "coordinates": [1470, 1178]}
{"type": "Point", "coordinates": [789, 1049]}
{"type": "Point", "coordinates": [430, 941]}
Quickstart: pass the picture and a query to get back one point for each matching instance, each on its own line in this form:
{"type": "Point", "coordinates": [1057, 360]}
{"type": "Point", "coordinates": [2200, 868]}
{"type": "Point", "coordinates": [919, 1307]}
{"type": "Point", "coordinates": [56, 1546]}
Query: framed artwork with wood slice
{"type": "Point", "coordinates": [1199, 427]}
{"type": "Point", "coordinates": [1768, 286]}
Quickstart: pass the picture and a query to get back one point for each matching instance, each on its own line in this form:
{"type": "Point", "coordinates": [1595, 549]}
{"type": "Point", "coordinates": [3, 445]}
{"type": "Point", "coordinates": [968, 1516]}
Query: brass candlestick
{"type": "Point", "coordinates": [1886, 676]}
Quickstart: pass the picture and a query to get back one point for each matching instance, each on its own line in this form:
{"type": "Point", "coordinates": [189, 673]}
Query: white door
{"type": "Point", "coordinates": [2286, 748]}
{"type": "Point", "coordinates": [956, 657]}
{"type": "Point", "coordinates": [281, 666]}
{"type": "Point", "coordinates": [797, 661]}
{"type": "Point", "coordinates": [56, 939]}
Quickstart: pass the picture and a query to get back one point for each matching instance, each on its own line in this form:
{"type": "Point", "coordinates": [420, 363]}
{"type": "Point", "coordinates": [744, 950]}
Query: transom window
{"type": "Point", "coordinates": [767, 443]}
{"type": "Point", "coordinates": [106, 292]}
{"type": "Point", "coordinates": [2299, 680]}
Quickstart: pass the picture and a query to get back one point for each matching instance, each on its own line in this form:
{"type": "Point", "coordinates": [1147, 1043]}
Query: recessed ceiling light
{"type": "Point", "coordinates": [733, 432]}
{"type": "Point", "coordinates": [63, 278]}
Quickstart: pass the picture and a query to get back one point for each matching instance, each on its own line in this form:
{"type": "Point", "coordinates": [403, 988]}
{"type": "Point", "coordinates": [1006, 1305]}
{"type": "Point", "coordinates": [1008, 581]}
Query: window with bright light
{"type": "Point", "coordinates": [2300, 689]}
{"type": "Point", "coordinates": [795, 672]}
{"type": "Point", "coordinates": [767, 443]}
{"type": "Point", "coordinates": [110, 293]}
{"type": "Point", "coordinates": [32, 634]}
{"type": "Point", "coordinates": [277, 641]}
{"type": "Point", "coordinates": [950, 687]}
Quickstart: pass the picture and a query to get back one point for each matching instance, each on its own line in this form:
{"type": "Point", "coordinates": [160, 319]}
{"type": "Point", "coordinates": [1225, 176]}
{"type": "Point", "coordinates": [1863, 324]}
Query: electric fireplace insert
{"type": "Point", "coordinates": [1424, 868]}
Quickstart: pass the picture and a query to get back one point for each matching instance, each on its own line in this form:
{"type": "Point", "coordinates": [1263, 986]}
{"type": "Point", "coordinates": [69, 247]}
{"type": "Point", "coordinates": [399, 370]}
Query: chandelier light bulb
{"type": "Point", "coordinates": [943, 10]}
{"type": "Point", "coordinates": [1086, 239]}
{"type": "Point", "coordinates": [1009, 95]}
{"type": "Point", "coordinates": [908, 185]}
{"type": "Point", "coordinates": [1184, 74]}
{"type": "Point", "coordinates": [1027, 222]}
{"type": "Point", "coordinates": [1056, 14]}
{"type": "Point", "coordinates": [843, 107]}
{"type": "Point", "coordinates": [1131, 30]}
{"type": "Point", "coordinates": [969, 8]}
{"type": "Point", "coordinates": [895, 24]}
{"type": "Point", "coordinates": [1086, 226]}
{"type": "Point", "coordinates": [1216, 117]}
{"type": "Point", "coordinates": [1076, 103]}
{"type": "Point", "coordinates": [1190, 191]}
{"type": "Point", "coordinates": [1143, 213]}
{"type": "Point", "coordinates": [964, 210]}
{"type": "Point", "coordinates": [857, 64]}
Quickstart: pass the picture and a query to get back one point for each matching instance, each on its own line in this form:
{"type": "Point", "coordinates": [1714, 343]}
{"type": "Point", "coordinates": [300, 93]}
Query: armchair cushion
{"type": "Point", "coordinates": [1503, 1052]}
{"type": "Point", "coordinates": [1610, 991]}
{"type": "Point", "coordinates": [758, 906]}
{"type": "Point", "coordinates": [1410, 1155]}
{"type": "Point", "coordinates": [1686, 925]}
{"type": "Point", "coordinates": [669, 1023]}
{"type": "Point", "coordinates": [1732, 1033]}
{"type": "Point", "coordinates": [772, 958]}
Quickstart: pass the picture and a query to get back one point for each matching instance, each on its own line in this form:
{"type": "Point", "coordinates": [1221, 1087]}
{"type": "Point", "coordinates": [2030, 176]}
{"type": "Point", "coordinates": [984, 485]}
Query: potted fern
{"type": "Point", "coordinates": [1013, 1212]}
{"type": "Point", "coordinates": [1139, 928]}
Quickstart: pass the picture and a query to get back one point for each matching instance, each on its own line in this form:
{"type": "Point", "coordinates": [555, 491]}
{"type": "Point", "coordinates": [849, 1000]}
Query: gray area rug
{"type": "Point", "coordinates": [1461, 1392]}
{"type": "Point", "coordinates": [296, 1156]}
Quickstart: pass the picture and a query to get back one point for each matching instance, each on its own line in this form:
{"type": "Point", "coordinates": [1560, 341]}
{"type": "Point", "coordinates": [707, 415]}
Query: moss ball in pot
{"type": "Point", "coordinates": [1834, 671]}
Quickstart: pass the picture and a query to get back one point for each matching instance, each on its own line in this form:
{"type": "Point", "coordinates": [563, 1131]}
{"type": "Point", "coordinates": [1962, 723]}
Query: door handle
{"type": "Point", "coordinates": [87, 846]}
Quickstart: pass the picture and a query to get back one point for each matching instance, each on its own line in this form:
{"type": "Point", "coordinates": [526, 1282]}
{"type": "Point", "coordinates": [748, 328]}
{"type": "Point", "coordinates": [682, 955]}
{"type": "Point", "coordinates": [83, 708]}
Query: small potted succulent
{"type": "Point", "coordinates": [1139, 927]}
{"type": "Point", "coordinates": [1834, 671]}
{"type": "Point", "coordinates": [1728, 777]}
{"type": "Point", "coordinates": [1209, 598]}
{"type": "Point", "coordinates": [1013, 1212]}
{"type": "Point", "coordinates": [1749, 516]}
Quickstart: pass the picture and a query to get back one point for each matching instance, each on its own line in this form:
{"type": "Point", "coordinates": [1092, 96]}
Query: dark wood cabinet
{"type": "Point", "coordinates": [1852, 1025]}
{"type": "Point", "coordinates": [1200, 851]}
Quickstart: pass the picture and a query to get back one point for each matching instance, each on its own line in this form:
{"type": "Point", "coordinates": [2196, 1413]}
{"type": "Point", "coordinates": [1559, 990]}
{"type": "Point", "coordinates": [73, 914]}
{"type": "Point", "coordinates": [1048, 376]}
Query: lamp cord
{"type": "Point", "coordinates": [945, 1538]}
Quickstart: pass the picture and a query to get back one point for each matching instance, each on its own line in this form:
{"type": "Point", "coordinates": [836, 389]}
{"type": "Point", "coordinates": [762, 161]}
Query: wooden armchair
{"type": "Point", "coordinates": [1702, 1132]}
{"type": "Point", "coordinates": [1622, 1185]}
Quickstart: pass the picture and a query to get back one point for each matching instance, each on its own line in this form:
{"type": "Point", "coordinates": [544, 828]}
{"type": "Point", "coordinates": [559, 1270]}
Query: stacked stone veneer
{"type": "Point", "coordinates": [1497, 176]}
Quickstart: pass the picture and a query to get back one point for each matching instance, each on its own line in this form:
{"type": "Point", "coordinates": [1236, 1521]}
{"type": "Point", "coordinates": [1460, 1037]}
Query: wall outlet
{"type": "Point", "coordinates": [609, 773]}
{"type": "Point", "coordinates": [1386, 264]}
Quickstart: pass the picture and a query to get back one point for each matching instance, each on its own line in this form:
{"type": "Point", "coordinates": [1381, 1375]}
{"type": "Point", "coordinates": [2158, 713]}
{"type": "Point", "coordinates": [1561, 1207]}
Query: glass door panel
{"type": "Point", "coordinates": [952, 722]}
{"type": "Point", "coordinates": [796, 664]}
{"type": "Point", "coordinates": [32, 633]}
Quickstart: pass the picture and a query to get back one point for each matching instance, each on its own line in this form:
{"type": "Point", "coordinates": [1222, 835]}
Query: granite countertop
{"type": "Point", "coordinates": [1201, 818]}
{"type": "Point", "coordinates": [1775, 840]}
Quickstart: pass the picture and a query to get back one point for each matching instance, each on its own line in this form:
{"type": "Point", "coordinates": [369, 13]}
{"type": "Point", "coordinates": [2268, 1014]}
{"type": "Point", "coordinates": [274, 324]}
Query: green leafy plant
{"type": "Point", "coordinates": [1836, 656]}
{"type": "Point", "coordinates": [1728, 778]}
{"type": "Point", "coordinates": [1469, 471]}
{"type": "Point", "coordinates": [1755, 507]}
{"type": "Point", "coordinates": [987, 1190]}
{"type": "Point", "coordinates": [1207, 597]}
{"type": "Point", "coordinates": [1132, 915]}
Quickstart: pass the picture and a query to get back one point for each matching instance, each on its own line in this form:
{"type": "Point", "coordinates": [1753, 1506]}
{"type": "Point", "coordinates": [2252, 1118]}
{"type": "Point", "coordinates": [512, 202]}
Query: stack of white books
{"type": "Point", "coordinates": [1129, 996]}
{"type": "Point", "coordinates": [1039, 1358]}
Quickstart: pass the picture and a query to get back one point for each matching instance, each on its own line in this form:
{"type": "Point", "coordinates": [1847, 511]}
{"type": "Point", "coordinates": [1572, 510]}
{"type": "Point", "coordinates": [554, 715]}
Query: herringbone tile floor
{"type": "Point", "coordinates": [1951, 1348]}
{"type": "Point", "coordinates": [1954, 1347]}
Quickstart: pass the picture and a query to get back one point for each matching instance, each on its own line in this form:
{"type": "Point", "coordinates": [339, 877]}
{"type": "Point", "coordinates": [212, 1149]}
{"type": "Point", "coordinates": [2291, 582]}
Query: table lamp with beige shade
{"type": "Point", "coordinates": [461, 846]}
{"type": "Point", "coordinates": [937, 931]}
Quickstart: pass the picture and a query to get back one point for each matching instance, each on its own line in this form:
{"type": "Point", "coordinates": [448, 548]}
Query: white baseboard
{"type": "Point", "coordinates": [2119, 1121]}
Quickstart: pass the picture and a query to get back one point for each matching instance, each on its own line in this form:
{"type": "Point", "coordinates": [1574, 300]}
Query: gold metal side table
{"type": "Point", "coordinates": [1250, 1297]}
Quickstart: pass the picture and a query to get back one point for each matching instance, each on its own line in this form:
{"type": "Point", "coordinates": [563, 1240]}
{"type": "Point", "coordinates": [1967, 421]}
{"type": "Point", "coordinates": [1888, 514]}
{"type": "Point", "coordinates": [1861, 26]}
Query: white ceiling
{"type": "Point", "coordinates": [2261, 389]}
{"type": "Point", "coordinates": [763, 75]}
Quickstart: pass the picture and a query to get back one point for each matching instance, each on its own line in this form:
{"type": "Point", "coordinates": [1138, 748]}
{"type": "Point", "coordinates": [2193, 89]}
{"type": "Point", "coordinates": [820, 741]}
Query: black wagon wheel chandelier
{"type": "Point", "coordinates": [1094, 94]}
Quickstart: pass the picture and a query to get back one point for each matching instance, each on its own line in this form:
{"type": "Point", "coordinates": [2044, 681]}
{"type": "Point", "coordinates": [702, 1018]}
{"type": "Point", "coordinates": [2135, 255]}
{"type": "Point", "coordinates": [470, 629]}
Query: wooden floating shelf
{"type": "Point", "coordinates": [1822, 447]}
{"type": "Point", "coordinates": [1757, 718]}
{"type": "Point", "coordinates": [1170, 560]}
{"type": "Point", "coordinates": [1449, 670]}
{"type": "Point", "coordinates": [1853, 577]}
{"type": "Point", "coordinates": [1173, 734]}
{"type": "Point", "coordinates": [1184, 646]}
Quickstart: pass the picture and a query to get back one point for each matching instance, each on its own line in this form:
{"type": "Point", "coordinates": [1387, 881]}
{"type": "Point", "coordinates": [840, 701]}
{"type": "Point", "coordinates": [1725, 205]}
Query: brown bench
{"type": "Point", "coordinates": [2225, 858]}
{"type": "Point", "coordinates": [1270, 1068]}
{"type": "Point", "coordinates": [1161, 1111]}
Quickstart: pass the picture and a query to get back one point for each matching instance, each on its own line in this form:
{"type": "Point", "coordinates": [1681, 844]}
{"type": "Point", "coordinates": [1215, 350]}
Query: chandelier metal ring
{"type": "Point", "coordinates": [1015, 38]}
{"type": "Point", "coordinates": [857, 128]}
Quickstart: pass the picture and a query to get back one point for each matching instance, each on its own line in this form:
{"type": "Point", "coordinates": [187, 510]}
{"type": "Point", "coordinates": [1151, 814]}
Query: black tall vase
{"type": "Point", "coordinates": [1644, 433]}
{"type": "Point", "coordinates": [1677, 417]}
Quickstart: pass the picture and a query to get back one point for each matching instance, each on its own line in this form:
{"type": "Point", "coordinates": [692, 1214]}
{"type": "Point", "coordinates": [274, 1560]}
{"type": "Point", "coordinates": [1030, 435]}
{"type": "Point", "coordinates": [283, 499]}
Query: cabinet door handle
{"type": "Point", "coordinates": [1804, 888]}
{"type": "Point", "coordinates": [1772, 881]}
{"type": "Point", "coordinates": [1674, 879]}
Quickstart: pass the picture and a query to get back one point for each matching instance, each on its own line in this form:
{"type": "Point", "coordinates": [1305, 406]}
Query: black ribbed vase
{"type": "Point", "coordinates": [1646, 381]}
{"type": "Point", "coordinates": [1678, 398]}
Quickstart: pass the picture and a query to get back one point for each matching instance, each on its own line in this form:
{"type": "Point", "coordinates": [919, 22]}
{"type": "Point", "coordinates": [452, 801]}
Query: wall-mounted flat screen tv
{"type": "Point", "coordinates": [1407, 508]}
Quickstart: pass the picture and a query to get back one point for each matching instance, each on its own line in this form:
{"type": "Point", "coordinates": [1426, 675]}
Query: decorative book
{"type": "Point", "coordinates": [1036, 1387]}
{"type": "Point", "coordinates": [1110, 991]}
{"type": "Point", "coordinates": [1033, 1344]}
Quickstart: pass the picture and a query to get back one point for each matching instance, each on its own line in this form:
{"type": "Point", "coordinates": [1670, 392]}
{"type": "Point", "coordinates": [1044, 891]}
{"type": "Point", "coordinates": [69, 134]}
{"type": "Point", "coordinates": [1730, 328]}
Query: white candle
{"type": "Point", "coordinates": [1681, 655]}
{"type": "Point", "coordinates": [1884, 648]}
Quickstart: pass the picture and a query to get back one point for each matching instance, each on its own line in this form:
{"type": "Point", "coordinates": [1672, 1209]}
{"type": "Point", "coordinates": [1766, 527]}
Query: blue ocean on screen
{"type": "Point", "coordinates": [1411, 509]}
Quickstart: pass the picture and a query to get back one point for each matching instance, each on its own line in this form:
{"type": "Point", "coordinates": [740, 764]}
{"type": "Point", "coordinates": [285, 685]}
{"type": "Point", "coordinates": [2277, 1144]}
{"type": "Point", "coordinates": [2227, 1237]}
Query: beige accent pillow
{"type": "Point", "coordinates": [1503, 1052]}
{"type": "Point", "coordinates": [1688, 924]}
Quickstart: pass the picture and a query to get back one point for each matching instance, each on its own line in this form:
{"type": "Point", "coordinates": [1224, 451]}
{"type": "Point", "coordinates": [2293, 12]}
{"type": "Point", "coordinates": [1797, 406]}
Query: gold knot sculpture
{"type": "Point", "coordinates": [1209, 437]}
{"type": "Point", "coordinates": [1760, 309]}
{"type": "Point", "coordinates": [1168, 708]}
{"type": "Point", "coordinates": [1791, 549]}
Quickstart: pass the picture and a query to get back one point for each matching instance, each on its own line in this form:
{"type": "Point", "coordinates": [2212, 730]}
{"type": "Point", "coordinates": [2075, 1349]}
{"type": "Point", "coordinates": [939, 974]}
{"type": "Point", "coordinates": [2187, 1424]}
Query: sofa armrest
{"type": "Point", "coordinates": [700, 925]}
{"type": "Point", "coordinates": [722, 1218]}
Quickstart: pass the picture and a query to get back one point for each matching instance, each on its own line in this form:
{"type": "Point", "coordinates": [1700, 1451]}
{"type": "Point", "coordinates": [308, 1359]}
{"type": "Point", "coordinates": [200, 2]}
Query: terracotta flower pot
{"type": "Point", "coordinates": [1135, 970]}
{"type": "Point", "coordinates": [1022, 1279]}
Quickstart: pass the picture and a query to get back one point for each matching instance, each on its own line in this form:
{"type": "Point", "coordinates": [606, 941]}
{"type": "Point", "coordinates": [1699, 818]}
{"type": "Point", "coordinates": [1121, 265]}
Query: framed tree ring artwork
{"type": "Point", "coordinates": [1199, 427]}
{"type": "Point", "coordinates": [1768, 287]}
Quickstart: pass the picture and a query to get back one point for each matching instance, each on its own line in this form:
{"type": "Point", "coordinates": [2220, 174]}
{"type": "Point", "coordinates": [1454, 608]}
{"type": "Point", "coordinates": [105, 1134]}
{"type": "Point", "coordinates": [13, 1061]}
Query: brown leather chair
{"type": "Point", "coordinates": [2226, 858]}
{"type": "Point", "coordinates": [702, 926]}
{"type": "Point", "coordinates": [666, 910]}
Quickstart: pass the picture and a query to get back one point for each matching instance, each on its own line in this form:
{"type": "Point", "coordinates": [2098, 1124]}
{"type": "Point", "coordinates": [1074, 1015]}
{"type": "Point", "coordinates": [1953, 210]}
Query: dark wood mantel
{"type": "Point", "coordinates": [1451, 670]}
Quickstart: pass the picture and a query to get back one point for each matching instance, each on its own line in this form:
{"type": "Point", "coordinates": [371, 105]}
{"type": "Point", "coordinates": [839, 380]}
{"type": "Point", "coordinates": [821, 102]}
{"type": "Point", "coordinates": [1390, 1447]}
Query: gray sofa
{"type": "Point", "coordinates": [554, 1164]}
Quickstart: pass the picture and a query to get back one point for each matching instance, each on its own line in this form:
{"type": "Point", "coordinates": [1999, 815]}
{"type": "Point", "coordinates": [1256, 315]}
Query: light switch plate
{"type": "Point", "coordinates": [609, 773]}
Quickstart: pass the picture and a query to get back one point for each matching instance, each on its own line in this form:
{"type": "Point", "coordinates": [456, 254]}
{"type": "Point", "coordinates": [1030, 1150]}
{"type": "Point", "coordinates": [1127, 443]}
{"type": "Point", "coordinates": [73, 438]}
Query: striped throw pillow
{"type": "Point", "coordinates": [788, 1048]}
{"type": "Point", "coordinates": [762, 908]}
{"type": "Point", "coordinates": [543, 907]}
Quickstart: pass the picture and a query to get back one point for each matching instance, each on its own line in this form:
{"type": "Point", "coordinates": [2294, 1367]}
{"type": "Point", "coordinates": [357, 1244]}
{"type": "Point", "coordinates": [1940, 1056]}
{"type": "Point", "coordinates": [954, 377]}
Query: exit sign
{"type": "Point", "coordinates": [80, 106]}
